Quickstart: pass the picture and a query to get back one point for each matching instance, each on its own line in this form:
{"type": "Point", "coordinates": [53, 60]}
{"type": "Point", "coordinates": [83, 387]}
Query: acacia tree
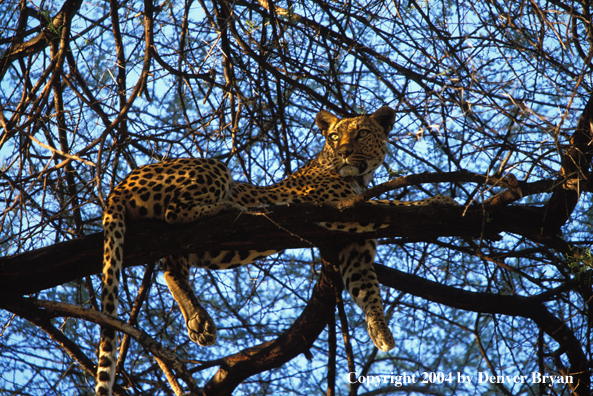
{"type": "Point", "coordinates": [493, 108]}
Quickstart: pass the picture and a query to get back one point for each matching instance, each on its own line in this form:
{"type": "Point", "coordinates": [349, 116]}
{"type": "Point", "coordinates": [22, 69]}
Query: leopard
{"type": "Point", "coordinates": [188, 190]}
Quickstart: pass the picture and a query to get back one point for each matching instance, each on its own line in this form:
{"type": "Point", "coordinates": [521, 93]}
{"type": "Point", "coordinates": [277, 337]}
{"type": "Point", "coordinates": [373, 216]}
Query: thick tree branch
{"type": "Point", "coordinates": [278, 228]}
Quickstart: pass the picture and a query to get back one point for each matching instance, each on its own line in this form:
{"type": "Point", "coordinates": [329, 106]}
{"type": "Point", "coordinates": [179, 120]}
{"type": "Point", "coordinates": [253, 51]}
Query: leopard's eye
{"type": "Point", "coordinates": [362, 133]}
{"type": "Point", "coordinates": [334, 137]}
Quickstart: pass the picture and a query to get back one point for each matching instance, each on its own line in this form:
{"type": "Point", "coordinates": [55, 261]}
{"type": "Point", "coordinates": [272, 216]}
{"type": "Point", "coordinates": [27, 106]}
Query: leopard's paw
{"type": "Point", "coordinates": [379, 331]}
{"type": "Point", "coordinates": [201, 329]}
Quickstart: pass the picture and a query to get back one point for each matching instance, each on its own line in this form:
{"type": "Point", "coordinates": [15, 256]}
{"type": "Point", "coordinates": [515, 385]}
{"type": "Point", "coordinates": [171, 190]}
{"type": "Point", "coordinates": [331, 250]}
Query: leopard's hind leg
{"type": "Point", "coordinates": [199, 323]}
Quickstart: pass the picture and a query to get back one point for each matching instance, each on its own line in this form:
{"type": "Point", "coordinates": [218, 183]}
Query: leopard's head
{"type": "Point", "coordinates": [355, 146]}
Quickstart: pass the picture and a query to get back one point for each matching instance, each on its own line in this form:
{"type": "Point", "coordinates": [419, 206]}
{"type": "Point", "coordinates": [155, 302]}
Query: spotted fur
{"type": "Point", "coordinates": [187, 190]}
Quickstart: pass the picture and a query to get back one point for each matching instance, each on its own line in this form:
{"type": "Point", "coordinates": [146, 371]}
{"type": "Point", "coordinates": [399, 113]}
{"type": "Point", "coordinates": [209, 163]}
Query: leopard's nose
{"type": "Point", "coordinates": [344, 152]}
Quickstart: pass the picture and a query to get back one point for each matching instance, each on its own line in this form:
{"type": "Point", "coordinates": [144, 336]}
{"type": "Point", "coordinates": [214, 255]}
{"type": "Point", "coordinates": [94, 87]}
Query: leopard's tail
{"type": "Point", "coordinates": [114, 229]}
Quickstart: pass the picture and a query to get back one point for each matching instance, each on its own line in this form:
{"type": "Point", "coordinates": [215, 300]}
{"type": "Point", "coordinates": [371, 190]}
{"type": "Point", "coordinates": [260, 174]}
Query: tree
{"type": "Point", "coordinates": [494, 109]}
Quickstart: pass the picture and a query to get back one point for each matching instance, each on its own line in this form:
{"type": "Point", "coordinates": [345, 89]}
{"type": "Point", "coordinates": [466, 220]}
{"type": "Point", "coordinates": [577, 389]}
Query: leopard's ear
{"type": "Point", "coordinates": [385, 116]}
{"type": "Point", "coordinates": [325, 120]}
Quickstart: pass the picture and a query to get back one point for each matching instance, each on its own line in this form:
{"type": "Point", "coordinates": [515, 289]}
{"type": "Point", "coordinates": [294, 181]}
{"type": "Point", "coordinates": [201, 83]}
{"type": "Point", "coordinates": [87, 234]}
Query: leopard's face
{"type": "Point", "coordinates": [355, 146]}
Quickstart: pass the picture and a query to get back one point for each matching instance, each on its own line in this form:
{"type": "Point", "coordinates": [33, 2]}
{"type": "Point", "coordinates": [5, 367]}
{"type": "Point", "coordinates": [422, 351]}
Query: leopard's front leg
{"type": "Point", "coordinates": [360, 279]}
{"type": "Point", "coordinates": [199, 323]}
